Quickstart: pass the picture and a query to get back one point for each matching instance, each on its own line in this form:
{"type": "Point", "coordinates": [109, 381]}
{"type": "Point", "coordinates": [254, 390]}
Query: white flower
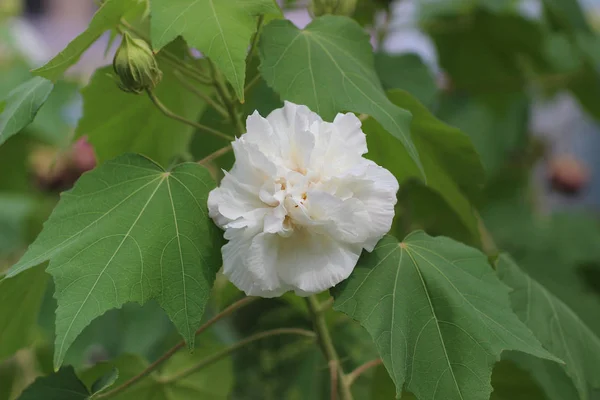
{"type": "Point", "coordinates": [300, 203]}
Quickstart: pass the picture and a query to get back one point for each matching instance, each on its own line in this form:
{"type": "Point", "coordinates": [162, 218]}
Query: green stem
{"type": "Point", "coordinates": [352, 376]}
{"type": "Point", "coordinates": [253, 82]}
{"type": "Point", "coordinates": [124, 386]}
{"type": "Point", "coordinates": [205, 97]}
{"type": "Point", "coordinates": [225, 352]}
{"type": "Point", "coordinates": [215, 155]}
{"type": "Point", "coordinates": [326, 344]}
{"type": "Point", "coordinates": [184, 120]}
{"type": "Point", "coordinates": [259, 24]}
{"type": "Point", "coordinates": [227, 99]}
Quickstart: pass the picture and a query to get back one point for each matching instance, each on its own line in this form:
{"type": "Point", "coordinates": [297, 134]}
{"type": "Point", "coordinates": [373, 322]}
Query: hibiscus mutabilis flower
{"type": "Point", "coordinates": [300, 203]}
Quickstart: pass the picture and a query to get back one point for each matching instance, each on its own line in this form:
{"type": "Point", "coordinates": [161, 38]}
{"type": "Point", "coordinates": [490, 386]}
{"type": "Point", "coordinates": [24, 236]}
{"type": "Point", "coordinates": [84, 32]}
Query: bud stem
{"type": "Point", "coordinates": [179, 118]}
{"type": "Point", "coordinates": [209, 100]}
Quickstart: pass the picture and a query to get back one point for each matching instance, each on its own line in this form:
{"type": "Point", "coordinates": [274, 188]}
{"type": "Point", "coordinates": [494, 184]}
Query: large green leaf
{"type": "Point", "coordinates": [329, 67]}
{"type": "Point", "coordinates": [53, 124]}
{"type": "Point", "coordinates": [550, 376]}
{"type": "Point", "coordinates": [21, 106]}
{"type": "Point", "coordinates": [551, 249]}
{"type": "Point", "coordinates": [107, 17]}
{"type": "Point", "coordinates": [129, 231]}
{"type": "Point", "coordinates": [485, 52]}
{"type": "Point", "coordinates": [65, 385]}
{"type": "Point", "coordinates": [116, 122]}
{"type": "Point", "coordinates": [497, 125]}
{"type": "Point", "coordinates": [567, 14]}
{"type": "Point", "coordinates": [62, 385]}
{"type": "Point", "coordinates": [14, 210]}
{"type": "Point", "coordinates": [438, 315]}
{"type": "Point", "coordinates": [407, 72]}
{"type": "Point", "coordinates": [451, 164]}
{"type": "Point", "coordinates": [221, 29]}
{"type": "Point", "coordinates": [18, 325]}
{"type": "Point", "coordinates": [512, 383]}
{"type": "Point", "coordinates": [558, 328]}
{"type": "Point", "coordinates": [213, 382]}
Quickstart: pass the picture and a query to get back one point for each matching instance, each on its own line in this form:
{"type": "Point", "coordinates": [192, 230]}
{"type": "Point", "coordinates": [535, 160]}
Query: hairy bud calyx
{"type": "Point", "coordinates": [136, 66]}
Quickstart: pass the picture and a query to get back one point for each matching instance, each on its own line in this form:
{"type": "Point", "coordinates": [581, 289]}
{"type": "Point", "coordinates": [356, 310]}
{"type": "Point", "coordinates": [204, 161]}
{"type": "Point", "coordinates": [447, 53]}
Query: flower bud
{"type": "Point", "coordinates": [135, 65]}
{"type": "Point", "coordinates": [335, 7]}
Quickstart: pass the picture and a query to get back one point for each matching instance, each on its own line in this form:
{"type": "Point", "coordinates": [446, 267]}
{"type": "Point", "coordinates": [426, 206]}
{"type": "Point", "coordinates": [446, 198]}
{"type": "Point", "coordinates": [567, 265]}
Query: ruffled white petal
{"type": "Point", "coordinates": [311, 263]}
{"type": "Point", "coordinates": [300, 203]}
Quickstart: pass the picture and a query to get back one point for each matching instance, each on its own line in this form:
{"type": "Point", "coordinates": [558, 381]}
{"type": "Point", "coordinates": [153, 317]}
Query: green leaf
{"type": "Point", "coordinates": [129, 231]}
{"type": "Point", "coordinates": [214, 382]}
{"type": "Point", "coordinates": [14, 210]}
{"type": "Point", "coordinates": [18, 326]}
{"type": "Point", "coordinates": [438, 315]}
{"type": "Point", "coordinates": [105, 382]}
{"type": "Point", "coordinates": [329, 67]}
{"type": "Point", "coordinates": [451, 164]}
{"type": "Point", "coordinates": [116, 122]}
{"type": "Point", "coordinates": [221, 29]}
{"type": "Point", "coordinates": [512, 383]}
{"type": "Point", "coordinates": [21, 106]}
{"type": "Point", "coordinates": [62, 385]}
{"type": "Point", "coordinates": [107, 17]}
{"type": "Point", "coordinates": [558, 328]}
{"type": "Point", "coordinates": [497, 125]}
{"type": "Point", "coordinates": [421, 207]}
{"type": "Point", "coordinates": [551, 249]}
{"type": "Point", "coordinates": [407, 72]}
{"type": "Point", "coordinates": [568, 14]}
{"type": "Point", "coordinates": [550, 376]}
{"type": "Point", "coordinates": [52, 124]}
{"type": "Point", "coordinates": [485, 52]}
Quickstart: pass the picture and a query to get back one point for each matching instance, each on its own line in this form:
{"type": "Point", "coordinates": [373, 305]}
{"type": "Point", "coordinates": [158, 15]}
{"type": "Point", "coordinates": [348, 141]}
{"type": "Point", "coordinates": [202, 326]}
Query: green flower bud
{"type": "Point", "coordinates": [135, 65]}
{"type": "Point", "coordinates": [335, 7]}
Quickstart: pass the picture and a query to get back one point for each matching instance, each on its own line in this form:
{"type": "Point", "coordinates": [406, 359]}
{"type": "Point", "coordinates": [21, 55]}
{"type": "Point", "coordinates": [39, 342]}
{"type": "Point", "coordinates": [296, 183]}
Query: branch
{"type": "Point", "coordinates": [261, 19]}
{"type": "Point", "coordinates": [225, 352]}
{"type": "Point", "coordinates": [326, 344]}
{"type": "Point", "coordinates": [215, 155]}
{"type": "Point", "coordinates": [333, 377]}
{"type": "Point", "coordinates": [179, 118]}
{"type": "Point", "coordinates": [205, 97]}
{"type": "Point", "coordinates": [226, 98]}
{"type": "Point", "coordinates": [351, 377]}
{"type": "Point", "coordinates": [235, 306]}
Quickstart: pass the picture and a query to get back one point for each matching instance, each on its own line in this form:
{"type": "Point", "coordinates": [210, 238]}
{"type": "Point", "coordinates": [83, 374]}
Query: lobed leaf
{"type": "Point", "coordinates": [215, 382]}
{"type": "Point", "coordinates": [61, 385]}
{"type": "Point", "coordinates": [17, 328]}
{"type": "Point", "coordinates": [221, 29]}
{"type": "Point", "coordinates": [450, 161]}
{"type": "Point", "coordinates": [329, 67]}
{"type": "Point", "coordinates": [129, 231]}
{"type": "Point", "coordinates": [558, 328]}
{"type": "Point", "coordinates": [438, 315]}
{"type": "Point", "coordinates": [116, 122]}
{"type": "Point", "coordinates": [21, 106]}
{"type": "Point", "coordinates": [107, 17]}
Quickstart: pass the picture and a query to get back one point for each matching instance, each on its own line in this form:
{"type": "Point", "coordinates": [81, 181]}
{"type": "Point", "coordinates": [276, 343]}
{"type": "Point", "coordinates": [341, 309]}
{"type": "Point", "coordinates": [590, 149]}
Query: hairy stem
{"type": "Point", "coordinates": [326, 344]}
{"type": "Point", "coordinates": [351, 377]}
{"type": "Point", "coordinates": [225, 352]}
{"type": "Point", "coordinates": [124, 386]}
{"type": "Point", "coordinates": [184, 120]}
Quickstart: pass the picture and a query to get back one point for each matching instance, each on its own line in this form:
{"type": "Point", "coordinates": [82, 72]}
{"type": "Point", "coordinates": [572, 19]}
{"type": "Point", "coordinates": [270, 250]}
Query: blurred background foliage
{"type": "Point", "coordinates": [520, 78]}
